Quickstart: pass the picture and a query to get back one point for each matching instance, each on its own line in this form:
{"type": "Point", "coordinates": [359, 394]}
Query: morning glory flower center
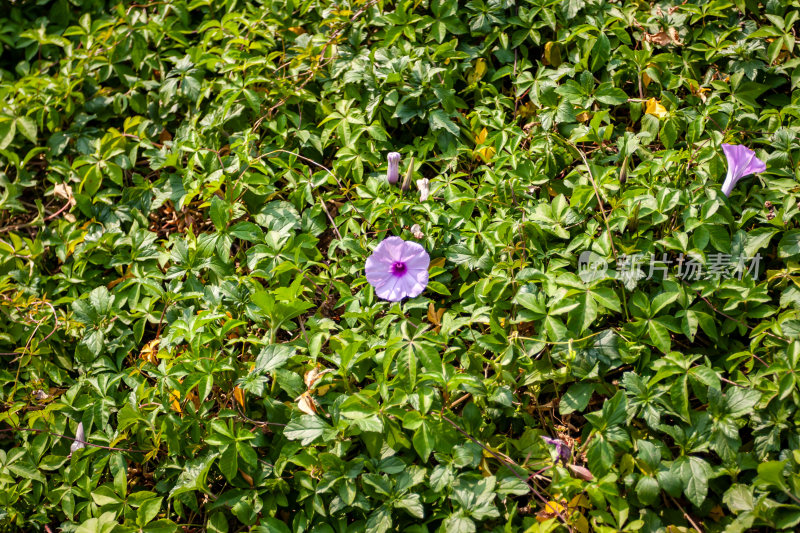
{"type": "Point", "coordinates": [399, 268]}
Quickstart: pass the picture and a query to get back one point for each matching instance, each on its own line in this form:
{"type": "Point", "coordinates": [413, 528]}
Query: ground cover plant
{"type": "Point", "coordinates": [569, 300]}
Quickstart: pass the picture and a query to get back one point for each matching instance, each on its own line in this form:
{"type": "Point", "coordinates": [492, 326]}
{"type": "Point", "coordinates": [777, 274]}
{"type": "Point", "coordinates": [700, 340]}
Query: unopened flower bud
{"type": "Point", "coordinates": [393, 174]}
{"type": "Point", "coordinates": [424, 189]}
{"type": "Point", "coordinates": [80, 439]}
{"type": "Point", "coordinates": [407, 181]}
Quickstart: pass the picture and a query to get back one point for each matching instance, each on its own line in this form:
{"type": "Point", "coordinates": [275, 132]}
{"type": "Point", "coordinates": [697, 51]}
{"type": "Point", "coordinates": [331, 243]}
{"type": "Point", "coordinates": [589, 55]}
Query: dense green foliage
{"type": "Point", "coordinates": [190, 190]}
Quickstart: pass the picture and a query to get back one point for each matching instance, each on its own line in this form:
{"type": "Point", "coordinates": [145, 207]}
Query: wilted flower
{"type": "Point", "coordinates": [424, 186]}
{"type": "Point", "coordinates": [742, 161]}
{"type": "Point", "coordinates": [417, 232]}
{"type": "Point", "coordinates": [398, 269]}
{"type": "Point", "coordinates": [80, 439]}
{"type": "Point", "coordinates": [563, 451]}
{"type": "Point", "coordinates": [393, 174]}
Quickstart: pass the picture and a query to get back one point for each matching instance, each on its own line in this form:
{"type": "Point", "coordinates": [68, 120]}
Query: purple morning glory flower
{"type": "Point", "coordinates": [742, 161]}
{"type": "Point", "coordinates": [398, 269]}
{"type": "Point", "coordinates": [393, 174]}
{"type": "Point", "coordinates": [563, 451]}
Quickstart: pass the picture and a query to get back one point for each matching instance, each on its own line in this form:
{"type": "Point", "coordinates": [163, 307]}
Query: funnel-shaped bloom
{"type": "Point", "coordinates": [398, 269]}
{"type": "Point", "coordinates": [393, 174]}
{"type": "Point", "coordinates": [742, 161]}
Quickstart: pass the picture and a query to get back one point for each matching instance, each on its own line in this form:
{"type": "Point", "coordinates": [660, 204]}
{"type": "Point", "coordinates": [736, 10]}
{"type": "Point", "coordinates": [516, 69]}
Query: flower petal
{"type": "Point", "coordinates": [390, 290]}
{"type": "Point", "coordinates": [391, 248]}
{"type": "Point", "coordinates": [411, 286]}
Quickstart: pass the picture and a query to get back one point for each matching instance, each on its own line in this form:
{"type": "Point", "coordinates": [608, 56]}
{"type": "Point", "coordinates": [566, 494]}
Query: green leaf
{"type": "Point", "coordinates": [193, 476]}
{"type": "Point", "coordinates": [148, 511]}
{"type": "Point", "coordinates": [789, 246]}
{"type": "Point", "coordinates": [600, 53]}
{"type": "Point", "coordinates": [27, 127]}
{"type": "Point", "coordinates": [576, 398]}
{"type": "Point", "coordinates": [306, 429]}
{"type": "Point", "coordinates": [608, 94]}
{"type": "Point", "coordinates": [441, 120]}
{"type": "Point", "coordinates": [219, 212]}
{"type": "Point", "coordinates": [8, 126]}
{"type": "Point", "coordinates": [424, 440]}
{"type": "Point", "coordinates": [273, 356]}
{"type": "Point", "coordinates": [647, 490]}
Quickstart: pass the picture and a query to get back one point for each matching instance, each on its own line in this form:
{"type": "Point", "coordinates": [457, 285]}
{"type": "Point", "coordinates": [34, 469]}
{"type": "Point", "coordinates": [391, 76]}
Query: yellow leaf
{"type": "Point", "coordinates": [297, 30]}
{"type": "Point", "coordinates": [150, 352]}
{"type": "Point", "coordinates": [487, 152]}
{"type": "Point", "coordinates": [655, 108]}
{"type": "Point", "coordinates": [580, 524]}
{"type": "Point", "coordinates": [238, 394]}
{"type": "Point", "coordinates": [551, 509]}
{"type": "Point", "coordinates": [175, 400]}
{"type": "Point", "coordinates": [646, 79]}
{"type": "Point", "coordinates": [438, 262]}
{"type": "Point", "coordinates": [485, 468]}
{"type": "Point", "coordinates": [192, 397]}
{"type": "Point", "coordinates": [583, 117]}
{"type": "Point", "coordinates": [526, 110]}
{"type": "Point", "coordinates": [478, 71]}
{"type": "Point", "coordinates": [579, 500]}
{"type": "Point", "coordinates": [480, 67]}
{"type": "Point", "coordinates": [552, 54]}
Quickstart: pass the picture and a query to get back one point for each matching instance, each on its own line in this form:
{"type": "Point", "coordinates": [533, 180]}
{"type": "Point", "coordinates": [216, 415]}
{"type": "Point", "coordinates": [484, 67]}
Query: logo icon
{"type": "Point", "coordinates": [591, 267]}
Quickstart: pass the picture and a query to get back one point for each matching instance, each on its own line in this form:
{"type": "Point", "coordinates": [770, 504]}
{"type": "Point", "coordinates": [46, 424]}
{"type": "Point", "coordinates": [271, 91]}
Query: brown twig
{"type": "Point", "coordinates": [685, 514]}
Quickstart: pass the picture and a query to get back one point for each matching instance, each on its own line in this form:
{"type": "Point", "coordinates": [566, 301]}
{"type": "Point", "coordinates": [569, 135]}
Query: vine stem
{"type": "Point", "coordinates": [6, 430]}
{"type": "Point", "coordinates": [685, 514]}
{"type": "Point", "coordinates": [602, 212]}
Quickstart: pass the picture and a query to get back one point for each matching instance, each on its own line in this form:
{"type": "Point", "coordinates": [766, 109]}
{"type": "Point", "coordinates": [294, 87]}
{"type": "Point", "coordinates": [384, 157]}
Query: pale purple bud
{"type": "Point", "coordinates": [581, 472]}
{"type": "Point", "coordinates": [393, 174]}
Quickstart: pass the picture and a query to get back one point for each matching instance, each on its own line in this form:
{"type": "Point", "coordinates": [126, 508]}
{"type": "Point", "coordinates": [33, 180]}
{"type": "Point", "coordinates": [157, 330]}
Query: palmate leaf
{"type": "Point", "coordinates": [207, 179]}
{"type": "Point", "coordinates": [306, 429]}
{"type": "Point", "coordinates": [193, 476]}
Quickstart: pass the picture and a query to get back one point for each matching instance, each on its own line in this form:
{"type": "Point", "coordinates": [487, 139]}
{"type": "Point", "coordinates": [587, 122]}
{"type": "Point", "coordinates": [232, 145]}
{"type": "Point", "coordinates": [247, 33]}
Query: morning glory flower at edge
{"type": "Point", "coordinates": [742, 161]}
{"type": "Point", "coordinates": [398, 269]}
